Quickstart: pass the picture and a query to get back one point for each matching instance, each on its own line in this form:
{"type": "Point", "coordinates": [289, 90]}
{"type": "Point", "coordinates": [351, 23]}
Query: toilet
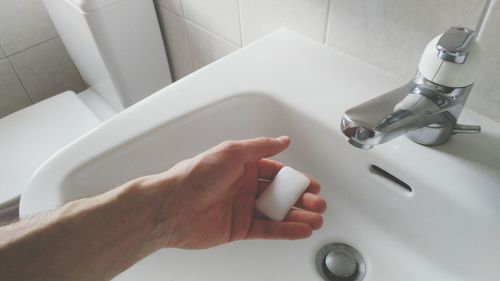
{"type": "Point", "coordinates": [118, 48]}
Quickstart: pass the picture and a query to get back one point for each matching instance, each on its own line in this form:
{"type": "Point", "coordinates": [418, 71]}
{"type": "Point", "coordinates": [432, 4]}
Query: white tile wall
{"type": "Point", "coordinates": [485, 97]}
{"type": "Point", "coordinates": [9, 83]}
{"type": "Point", "coordinates": [174, 29]}
{"type": "Point", "coordinates": [23, 24]}
{"type": "Point", "coordinates": [174, 6]}
{"type": "Point", "coordinates": [387, 33]}
{"type": "Point", "coordinates": [219, 16]}
{"type": "Point", "coordinates": [261, 17]}
{"type": "Point", "coordinates": [206, 47]}
{"type": "Point", "coordinates": [390, 34]}
{"type": "Point", "coordinates": [47, 70]}
{"type": "Point", "coordinates": [35, 61]}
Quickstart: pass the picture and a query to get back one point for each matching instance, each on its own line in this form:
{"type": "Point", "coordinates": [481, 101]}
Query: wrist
{"type": "Point", "coordinates": [156, 199]}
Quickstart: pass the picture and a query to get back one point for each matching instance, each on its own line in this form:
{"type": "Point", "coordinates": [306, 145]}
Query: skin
{"type": "Point", "coordinates": [200, 203]}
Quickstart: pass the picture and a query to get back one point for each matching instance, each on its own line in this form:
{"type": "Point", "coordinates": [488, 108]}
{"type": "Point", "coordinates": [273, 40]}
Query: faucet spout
{"type": "Point", "coordinates": [369, 123]}
{"type": "Point", "coordinates": [426, 112]}
{"type": "Point", "coordinates": [427, 108]}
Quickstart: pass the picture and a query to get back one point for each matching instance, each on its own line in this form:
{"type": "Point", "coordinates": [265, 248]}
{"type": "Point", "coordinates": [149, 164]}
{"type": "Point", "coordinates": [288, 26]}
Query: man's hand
{"type": "Point", "coordinates": [202, 202]}
{"type": "Point", "coordinates": [212, 199]}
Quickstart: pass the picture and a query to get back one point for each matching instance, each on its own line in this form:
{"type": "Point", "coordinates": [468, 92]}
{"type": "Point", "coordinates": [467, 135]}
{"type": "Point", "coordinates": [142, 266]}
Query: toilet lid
{"type": "Point", "coordinates": [31, 136]}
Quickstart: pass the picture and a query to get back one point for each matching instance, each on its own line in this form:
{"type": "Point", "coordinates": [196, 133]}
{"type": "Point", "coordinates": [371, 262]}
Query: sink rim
{"type": "Point", "coordinates": [185, 97]}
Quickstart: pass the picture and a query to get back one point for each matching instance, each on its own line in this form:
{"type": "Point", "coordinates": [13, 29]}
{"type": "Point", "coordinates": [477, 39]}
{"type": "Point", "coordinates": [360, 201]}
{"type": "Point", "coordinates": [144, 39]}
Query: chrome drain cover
{"type": "Point", "coordinates": [340, 262]}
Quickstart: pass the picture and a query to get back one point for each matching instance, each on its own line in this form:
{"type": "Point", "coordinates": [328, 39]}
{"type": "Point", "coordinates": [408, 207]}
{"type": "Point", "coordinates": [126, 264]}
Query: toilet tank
{"type": "Point", "coordinates": [116, 45]}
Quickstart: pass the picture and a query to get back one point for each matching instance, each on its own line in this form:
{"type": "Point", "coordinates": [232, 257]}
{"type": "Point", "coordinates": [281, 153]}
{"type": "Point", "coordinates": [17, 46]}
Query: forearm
{"type": "Point", "coordinates": [200, 203]}
{"type": "Point", "coordinates": [90, 239]}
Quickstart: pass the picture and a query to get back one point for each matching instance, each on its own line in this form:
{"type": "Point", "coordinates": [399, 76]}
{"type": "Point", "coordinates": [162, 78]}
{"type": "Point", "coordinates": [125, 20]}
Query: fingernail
{"type": "Point", "coordinates": [283, 139]}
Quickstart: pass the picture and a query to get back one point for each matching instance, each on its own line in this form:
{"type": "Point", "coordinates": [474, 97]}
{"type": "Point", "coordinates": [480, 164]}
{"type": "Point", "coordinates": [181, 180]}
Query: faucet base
{"type": "Point", "coordinates": [432, 135]}
{"type": "Point", "coordinates": [438, 134]}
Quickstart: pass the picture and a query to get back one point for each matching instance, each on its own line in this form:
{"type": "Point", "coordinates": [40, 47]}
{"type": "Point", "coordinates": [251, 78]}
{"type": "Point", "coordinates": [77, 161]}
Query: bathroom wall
{"type": "Point", "coordinates": [486, 96]}
{"type": "Point", "coordinates": [34, 64]}
{"type": "Point", "coordinates": [390, 34]}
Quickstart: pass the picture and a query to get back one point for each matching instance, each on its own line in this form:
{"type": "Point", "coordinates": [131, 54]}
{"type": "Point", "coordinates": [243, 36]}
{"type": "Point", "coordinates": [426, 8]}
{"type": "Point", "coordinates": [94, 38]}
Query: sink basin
{"type": "Point", "coordinates": [413, 212]}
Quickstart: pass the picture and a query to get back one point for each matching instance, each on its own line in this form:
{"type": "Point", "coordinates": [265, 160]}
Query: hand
{"type": "Point", "coordinates": [212, 198]}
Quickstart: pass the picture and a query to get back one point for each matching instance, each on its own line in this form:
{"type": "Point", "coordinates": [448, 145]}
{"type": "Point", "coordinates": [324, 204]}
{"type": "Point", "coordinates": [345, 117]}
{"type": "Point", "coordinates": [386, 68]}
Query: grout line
{"type": "Point", "coordinates": [184, 26]}
{"type": "Point", "coordinates": [188, 43]}
{"type": "Point", "coordinates": [159, 4]}
{"type": "Point", "coordinates": [15, 71]}
{"type": "Point", "coordinates": [209, 31]}
{"type": "Point", "coordinates": [4, 55]}
{"type": "Point", "coordinates": [184, 35]}
{"type": "Point", "coordinates": [161, 23]}
{"type": "Point", "coordinates": [486, 11]}
{"type": "Point", "coordinates": [182, 7]}
{"type": "Point", "coordinates": [84, 84]}
{"type": "Point", "coordinates": [328, 21]}
{"type": "Point", "coordinates": [240, 16]}
{"type": "Point", "coordinates": [36, 45]}
{"type": "Point", "coordinates": [212, 33]}
{"type": "Point", "coordinates": [20, 81]}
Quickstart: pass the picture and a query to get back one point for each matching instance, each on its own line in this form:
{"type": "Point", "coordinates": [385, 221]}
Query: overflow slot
{"type": "Point", "coordinates": [376, 170]}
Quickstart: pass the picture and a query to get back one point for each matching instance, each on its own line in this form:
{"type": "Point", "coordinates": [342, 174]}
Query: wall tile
{"type": "Point", "coordinates": [206, 47]}
{"type": "Point", "coordinates": [174, 30]}
{"type": "Point", "coordinates": [12, 95]}
{"type": "Point", "coordinates": [219, 16]}
{"type": "Point", "coordinates": [485, 96]}
{"type": "Point", "coordinates": [173, 5]}
{"type": "Point", "coordinates": [392, 33]}
{"type": "Point", "coordinates": [47, 70]}
{"type": "Point", "coordinates": [24, 23]}
{"type": "Point", "coordinates": [261, 17]}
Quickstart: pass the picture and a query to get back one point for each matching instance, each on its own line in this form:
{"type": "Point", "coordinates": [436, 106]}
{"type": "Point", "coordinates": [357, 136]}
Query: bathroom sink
{"type": "Point", "coordinates": [413, 212]}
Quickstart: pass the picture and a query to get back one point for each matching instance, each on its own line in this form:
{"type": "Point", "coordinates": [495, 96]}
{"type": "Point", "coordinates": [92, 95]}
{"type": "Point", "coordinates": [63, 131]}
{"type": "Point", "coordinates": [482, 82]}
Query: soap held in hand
{"type": "Point", "coordinates": [283, 192]}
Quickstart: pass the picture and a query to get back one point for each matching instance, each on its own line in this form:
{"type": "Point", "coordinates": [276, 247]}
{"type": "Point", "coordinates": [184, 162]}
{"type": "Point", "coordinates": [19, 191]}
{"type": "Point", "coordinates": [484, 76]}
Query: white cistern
{"type": "Point", "coordinates": [118, 49]}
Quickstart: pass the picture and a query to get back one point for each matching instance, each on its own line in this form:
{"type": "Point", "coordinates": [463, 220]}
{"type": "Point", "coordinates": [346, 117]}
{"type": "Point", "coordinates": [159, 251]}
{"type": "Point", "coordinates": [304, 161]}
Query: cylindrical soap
{"type": "Point", "coordinates": [282, 193]}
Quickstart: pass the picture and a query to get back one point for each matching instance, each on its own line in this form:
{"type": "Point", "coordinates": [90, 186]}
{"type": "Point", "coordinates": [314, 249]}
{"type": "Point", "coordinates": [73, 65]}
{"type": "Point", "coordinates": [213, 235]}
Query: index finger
{"type": "Point", "coordinates": [259, 148]}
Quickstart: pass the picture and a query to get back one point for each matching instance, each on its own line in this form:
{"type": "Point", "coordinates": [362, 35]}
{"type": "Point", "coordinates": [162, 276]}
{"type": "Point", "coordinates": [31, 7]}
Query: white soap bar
{"type": "Point", "coordinates": [283, 192]}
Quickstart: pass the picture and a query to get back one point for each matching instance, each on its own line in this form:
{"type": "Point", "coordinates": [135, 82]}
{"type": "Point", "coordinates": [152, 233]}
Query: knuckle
{"type": "Point", "coordinates": [228, 145]}
{"type": "Point", "coordinates": [263, 140]}
{"type": "Point", "coordinates": [232, 149]}
{"type": "Point", "coordinates": [142, 181]}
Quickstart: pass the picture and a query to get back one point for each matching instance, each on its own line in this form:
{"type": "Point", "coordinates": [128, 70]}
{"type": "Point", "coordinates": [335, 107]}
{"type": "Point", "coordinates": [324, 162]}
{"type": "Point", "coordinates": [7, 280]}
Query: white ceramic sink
{"type": "Point", "coordinates": [446, 228]}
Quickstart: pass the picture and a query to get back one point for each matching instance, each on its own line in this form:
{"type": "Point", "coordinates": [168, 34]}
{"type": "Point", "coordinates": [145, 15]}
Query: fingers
{"type": "Point", "coordinates": [308, 201]}
{"type": "Point", "coordinates": [312, 202]}
{"type": "Point", "coordinates": [263, 229]}
{"type": "Point", "coordinates": [267, 169]}
{"type": "Point", "coordinates": [315, 220]}
{"type": "Point", "coordinates": [298, 224]}
{"type": "Point", "coordinates": [256, 149]}
{"type": "Point", "coordinates": [314, 186]}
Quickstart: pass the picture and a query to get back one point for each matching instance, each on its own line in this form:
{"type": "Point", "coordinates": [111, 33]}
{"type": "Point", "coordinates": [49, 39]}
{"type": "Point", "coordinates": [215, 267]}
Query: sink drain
{"type": "Point", "coordinates": [340, 262]}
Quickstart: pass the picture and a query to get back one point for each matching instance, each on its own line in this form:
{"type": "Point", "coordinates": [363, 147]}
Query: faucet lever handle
{"type": "Point", "coordinates": [455, 44]}
{"type": "Point", "coordinates": [466, 129]}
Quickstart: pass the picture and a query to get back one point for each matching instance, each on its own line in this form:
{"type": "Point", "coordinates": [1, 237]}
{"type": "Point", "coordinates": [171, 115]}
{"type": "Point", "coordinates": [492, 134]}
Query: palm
{"type": "Point", "coordinates": [221, 190]}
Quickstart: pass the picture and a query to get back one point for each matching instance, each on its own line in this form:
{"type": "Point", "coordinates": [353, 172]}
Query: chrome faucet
{"type": "Point", "coordinates": [428, 107]}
